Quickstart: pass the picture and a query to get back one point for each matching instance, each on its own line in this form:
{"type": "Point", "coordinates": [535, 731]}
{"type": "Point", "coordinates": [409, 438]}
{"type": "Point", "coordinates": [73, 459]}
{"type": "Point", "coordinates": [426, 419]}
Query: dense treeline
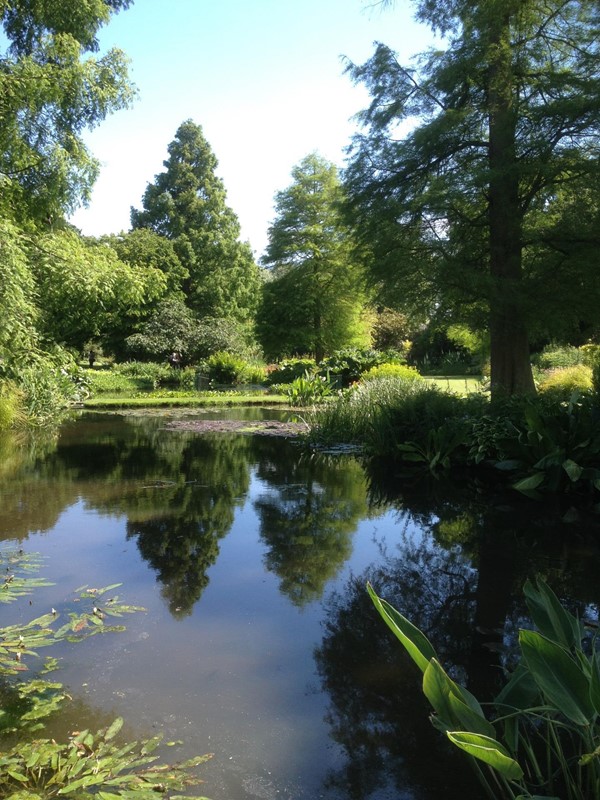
{"type": "Point", "coordinates": [474, 235]}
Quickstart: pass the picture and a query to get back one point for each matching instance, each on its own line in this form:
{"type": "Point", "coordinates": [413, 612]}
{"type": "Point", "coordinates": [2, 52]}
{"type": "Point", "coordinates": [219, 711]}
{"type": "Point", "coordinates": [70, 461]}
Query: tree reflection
{"type": "Point", "coordinates": [181, 525]}
{"type": "Point", "coordinates": [307, 517]}
{"type": "Point", "coordinates": [456, 569]}
{"type": "Point", "coordinates": [378, 714]}
{"type": "Point", "coordinates": [179, 491]}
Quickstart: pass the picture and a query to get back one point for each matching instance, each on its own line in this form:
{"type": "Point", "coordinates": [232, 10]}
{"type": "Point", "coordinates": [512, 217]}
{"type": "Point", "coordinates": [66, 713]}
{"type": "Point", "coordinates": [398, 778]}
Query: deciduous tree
{"type": "Point", "coordinates": [52, 87]}
{"type": "Point", "coordinates": [508, 119]}
{"type": "Point", "coordinates": [314, 302]}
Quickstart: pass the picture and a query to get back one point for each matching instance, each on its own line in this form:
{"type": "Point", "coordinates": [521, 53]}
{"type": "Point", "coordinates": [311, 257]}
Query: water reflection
{"type": "Point", "coordinates": [307, 516]}
{"type": "Point", "coordinates": [260, 635]}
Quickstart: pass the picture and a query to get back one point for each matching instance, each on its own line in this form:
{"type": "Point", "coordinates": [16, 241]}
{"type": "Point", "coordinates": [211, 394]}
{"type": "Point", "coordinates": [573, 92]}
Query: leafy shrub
{"type": "Point", "coordinates": [563, 381]}
{"type": "Point", "coordinates": [401, 371]}
{"type": "Point", "coordinates": [291, 368]}
{"type": "Point", "coordinates": [225, 369]}
{"type": "Point", "coordinates": [391, 330]}
{"type": "Point", "coordinates": [308, 390]}
{"type": "Point", "coordinates": [255, 374]}
{"type": "Point", "coordinates": [48, 384]}
{"type": "Point", "coordinates": [591, 353]}
{"type": "Point", "coordinates": [554, 447]}
{"type": "Point", "coordinates": [351, 363]}
{"type": "Point", "coordinates": [11, 399]}
{"type": "Point", "coordinates": [557, 357]}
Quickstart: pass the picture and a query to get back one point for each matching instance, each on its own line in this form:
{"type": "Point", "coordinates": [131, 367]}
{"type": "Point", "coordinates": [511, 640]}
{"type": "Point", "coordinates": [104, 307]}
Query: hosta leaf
{"type": "Point", "coordinates": [572, 469]}
{"type": "Point", "coordinates": [530, 482]}
{"type": "Point", "coordinates": [489, 751]}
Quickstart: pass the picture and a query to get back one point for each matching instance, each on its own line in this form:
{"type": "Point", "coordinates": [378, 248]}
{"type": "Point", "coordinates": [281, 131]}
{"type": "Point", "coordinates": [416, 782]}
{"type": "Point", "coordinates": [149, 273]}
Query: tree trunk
{"type": "Point", "coordinates": [510, 365]}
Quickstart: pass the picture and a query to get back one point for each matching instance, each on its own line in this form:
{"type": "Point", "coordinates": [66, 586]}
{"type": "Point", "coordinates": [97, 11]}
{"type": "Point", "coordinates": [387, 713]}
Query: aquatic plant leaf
{"type": "Point", "coordinates": [417, 645]}
{"type": "Point", "coordinates": [550, 617]}
{"type": "Point", "coordinates": [454, 705]}
{"type": "Point", "coordinates": [560, 678]}
{"type": "Point", "coordinates": [595, 682]}
{"type": "Point", "coordinates": [113, 729]}
{"type": "Point", "coordinates": [489, 751]}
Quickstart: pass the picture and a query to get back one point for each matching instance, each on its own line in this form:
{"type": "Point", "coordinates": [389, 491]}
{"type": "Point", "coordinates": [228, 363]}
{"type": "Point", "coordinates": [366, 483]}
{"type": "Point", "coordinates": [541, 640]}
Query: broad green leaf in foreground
{"type": "Point", "coordinates": [488, 750]}
{"type": "Point", "coordinates": [559, 677]}
{"type": "Point", "coordinates": [417, 645]}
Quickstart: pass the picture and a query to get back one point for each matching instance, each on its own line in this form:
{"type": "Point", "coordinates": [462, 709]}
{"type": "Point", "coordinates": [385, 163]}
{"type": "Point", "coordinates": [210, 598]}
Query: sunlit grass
{"type": "Point", "coordinates": [458, 384]}
{"type": "Point", "coordinates": [187, 400]}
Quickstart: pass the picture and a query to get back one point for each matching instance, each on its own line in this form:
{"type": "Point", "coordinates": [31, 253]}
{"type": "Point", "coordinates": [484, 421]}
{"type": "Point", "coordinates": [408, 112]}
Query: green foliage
{"type": "Point", "coordinates": [351, 363]}
{"type": "Point", "coordinates": [289, 369]}
{"type": "Point", "coordinates": [557, 357]}
{"type": "Point", "coordinates": [92, 763]}
{"type": "Point", "coordinates": [364, 415]}
{"type": "Point", "coordinates": [543, 735]}
{"type": "Point", "coordinates": [562, 382]}
{"type": "Point", "coordinates": [226, 369]}
{"type": "Point", "coordinates": [472, 215]}
{"type": "Point", "coordinates": [132, 377]}
{"type": "Point", "coordinates": [308, 390]}
{"type": "Point", "coordinates": [88, 762]}
{"type": "Point", "coordinates": [401, 371]}
{"type": "Point", "coordinates": [145, 249]}
{"type": "Point", "coordinates": [18, 310]}
{"type": "Point", "coordinates": [391, 331]}
{"type": "Point", "coordinates": [186, 204]}
{"type": "Point", "coordinates": [314, 300]}
{"type": "Point", "coordinates": [10, 404]}
{"type": "Point", "coordinates": [173, 327]}
{"type": "Point", "coordinates": [554, 447]}
{"type": "Point", "coordinates": [101, 293]}
{"type": "Point", "coordinates": [52, 88]}
{"type": "Point", "coordinates": [48, 383]}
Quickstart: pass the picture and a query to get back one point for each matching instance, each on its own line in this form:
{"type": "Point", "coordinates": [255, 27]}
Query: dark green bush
{"type": "Point", "coordinates": [351, 363]}
{"type": "Point", "coordinates": [225, 369]}
{"type": "Point", "coordinates": [291, 368]}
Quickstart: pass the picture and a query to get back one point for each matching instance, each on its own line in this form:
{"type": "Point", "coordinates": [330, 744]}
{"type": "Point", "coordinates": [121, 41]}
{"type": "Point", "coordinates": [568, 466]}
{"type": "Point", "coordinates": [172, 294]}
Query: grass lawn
{"type": "Point", "coordinates": [459, 384]}
{"type": "Point", "coordinates": [186, 399]}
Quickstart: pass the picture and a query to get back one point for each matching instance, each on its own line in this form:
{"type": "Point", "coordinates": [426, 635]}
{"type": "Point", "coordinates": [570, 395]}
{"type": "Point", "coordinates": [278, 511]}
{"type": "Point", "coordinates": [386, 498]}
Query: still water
{"type": "Point", "coordinates": [257, 642]}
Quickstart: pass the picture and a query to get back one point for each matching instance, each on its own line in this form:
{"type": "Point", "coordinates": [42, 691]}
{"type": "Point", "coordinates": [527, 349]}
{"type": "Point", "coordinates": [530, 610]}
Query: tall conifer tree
{"type": "Point", "coordinates": [187, 204]}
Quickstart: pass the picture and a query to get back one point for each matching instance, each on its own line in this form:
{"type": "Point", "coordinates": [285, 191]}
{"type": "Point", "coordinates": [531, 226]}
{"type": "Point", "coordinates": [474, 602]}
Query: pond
{"type": "Point", "coordinates": [250, 557]}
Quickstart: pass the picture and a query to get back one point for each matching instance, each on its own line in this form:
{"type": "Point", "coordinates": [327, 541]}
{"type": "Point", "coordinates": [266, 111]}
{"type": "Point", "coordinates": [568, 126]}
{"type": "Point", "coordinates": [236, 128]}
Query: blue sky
{"type": "Point", "coordinates": [264, 79]}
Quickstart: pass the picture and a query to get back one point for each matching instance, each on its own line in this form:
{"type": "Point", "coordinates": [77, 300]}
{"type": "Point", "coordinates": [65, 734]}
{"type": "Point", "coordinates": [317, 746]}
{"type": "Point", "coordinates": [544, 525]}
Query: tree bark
{"type": "Point", "coordinates": [510, 365]}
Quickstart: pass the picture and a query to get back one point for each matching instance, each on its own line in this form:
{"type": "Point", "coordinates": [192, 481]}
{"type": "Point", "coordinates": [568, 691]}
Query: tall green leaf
{"type": "Point", "coordinates": [417, 645]}
{"type": "Point", "coordinates": [559, 677]}
{"type": "Point", "coordinates": [489, 751]}
{"type": "Point", "coordinates": [452, 703]}
{"type": "Point", "coordinates": [550, 617]}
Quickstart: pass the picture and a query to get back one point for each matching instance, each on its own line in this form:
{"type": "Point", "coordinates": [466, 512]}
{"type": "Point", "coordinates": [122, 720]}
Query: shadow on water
{"type": "Point", "coordinates": [236, 528]}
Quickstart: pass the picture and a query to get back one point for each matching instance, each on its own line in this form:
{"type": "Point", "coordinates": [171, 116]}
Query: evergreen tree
{"type": "Point", "coordinates": [315, 300]}
{"type": "Point", "coordinates": [509, 120]}
{"type": "Point", "coordinates": [186, 203]}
